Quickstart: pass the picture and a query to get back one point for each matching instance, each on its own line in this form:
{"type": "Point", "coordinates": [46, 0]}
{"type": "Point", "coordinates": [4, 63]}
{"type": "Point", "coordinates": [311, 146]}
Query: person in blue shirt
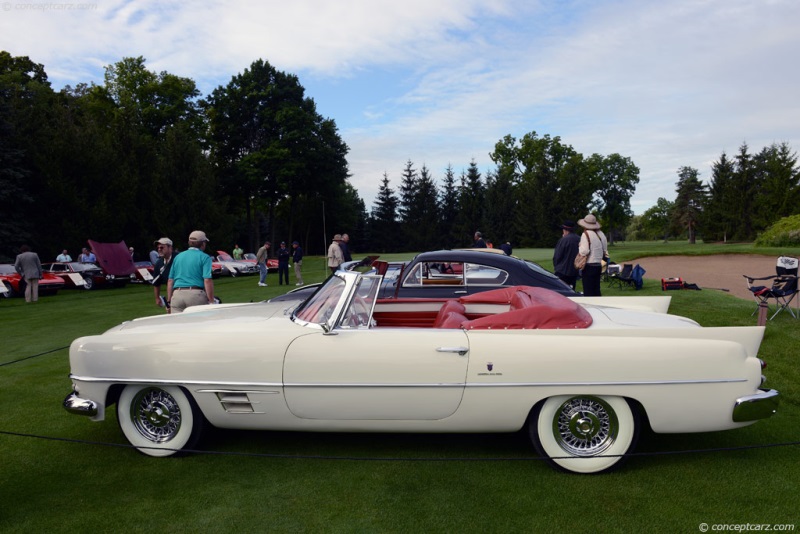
{"type": "Point", "coordinates": [190, 282]}
{"type": "Point", "coordinates": [87, 256]}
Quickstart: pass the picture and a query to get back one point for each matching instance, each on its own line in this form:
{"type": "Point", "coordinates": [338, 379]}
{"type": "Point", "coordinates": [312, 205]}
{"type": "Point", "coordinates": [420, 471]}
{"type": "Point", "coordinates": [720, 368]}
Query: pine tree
{"type": "Point", "coordinates": [384, 230]}
{"type": "Point", "coordinates": [448, 203]}
{"type": "Point", "coordinates": [688, 207]}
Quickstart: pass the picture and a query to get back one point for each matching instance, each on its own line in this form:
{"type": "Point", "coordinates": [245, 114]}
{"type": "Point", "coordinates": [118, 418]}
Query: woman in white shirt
{"type": "Point", "coordinates": [593, 245]}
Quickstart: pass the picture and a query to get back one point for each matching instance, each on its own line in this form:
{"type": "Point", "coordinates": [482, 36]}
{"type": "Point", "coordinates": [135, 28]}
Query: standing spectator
{"type": "Point", "coordinates": [237, 252]}
{"type": "Point", "coordinates": [479, 242]}
{"type": "Point", "coordinates": [297, 259]}
{"type": "Point", "coordinates": [154, 255]}
{"type": "Point", "coordinates": [261, 262]}
{"type": "Point", "coordinates": [87, 256]}
{"type": "Point", "coordinates": [283, 264]}
{"type": "Point", "coordinates": [64, 256]}
{"type": "Point", "coordinates": [161, 269]}
{"type": "Point", "coordinates": [506, 247]}
{"type": "Point", "coordinates": [130, 249]}
{"type": "Point", "coordinates": [29, 267]}
{"type": "Point", "coordinates": [190, 282]}
{"type": "Point", "coordinates": [345, 246]}
{"type": "Point", "coordinates": [335, 257]}
{"type": "Point", "coordinates": [593, 245]}
{"type": "Point", "coordinates": [564, 254]}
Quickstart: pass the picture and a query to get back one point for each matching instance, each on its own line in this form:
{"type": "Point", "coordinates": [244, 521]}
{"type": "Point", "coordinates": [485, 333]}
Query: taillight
{"type": "Point", "coordinates": [763, 364]}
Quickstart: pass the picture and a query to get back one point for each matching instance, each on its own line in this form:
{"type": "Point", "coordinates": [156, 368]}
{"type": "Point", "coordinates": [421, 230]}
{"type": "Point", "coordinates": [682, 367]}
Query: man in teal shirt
{"type": "Point", "coordinates": [190, 282]}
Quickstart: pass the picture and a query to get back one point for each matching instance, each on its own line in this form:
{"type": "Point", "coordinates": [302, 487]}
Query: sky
{"type": "Point", "coordinates": [667, 83]}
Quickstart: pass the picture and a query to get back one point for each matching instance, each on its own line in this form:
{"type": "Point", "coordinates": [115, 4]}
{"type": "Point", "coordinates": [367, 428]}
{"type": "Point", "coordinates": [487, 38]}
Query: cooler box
{"type": "Point", "coordinates": [671, 283]}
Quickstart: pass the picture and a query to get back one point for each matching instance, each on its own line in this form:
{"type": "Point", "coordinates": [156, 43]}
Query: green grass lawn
{"type": "Point", "coordinates": [285, 482]}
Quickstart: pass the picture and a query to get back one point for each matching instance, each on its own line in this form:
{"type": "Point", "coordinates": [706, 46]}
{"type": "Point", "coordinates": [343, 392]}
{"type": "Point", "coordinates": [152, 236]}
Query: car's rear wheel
{"type": "Point", "coordinates": [584, 433]}
{"type": "Point", "coordinates": [9, 290]}
{"type": "Point", "coordinates": [159, 420]}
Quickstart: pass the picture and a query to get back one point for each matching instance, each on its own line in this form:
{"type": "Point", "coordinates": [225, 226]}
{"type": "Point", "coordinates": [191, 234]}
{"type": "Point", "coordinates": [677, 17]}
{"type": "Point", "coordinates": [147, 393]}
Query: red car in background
{"type": "Point", "coordinates": [80, 275]}
{"type": "Point", "coordinates": [272, 263]}
{"type": "Point", "coordinates": [15, 285]}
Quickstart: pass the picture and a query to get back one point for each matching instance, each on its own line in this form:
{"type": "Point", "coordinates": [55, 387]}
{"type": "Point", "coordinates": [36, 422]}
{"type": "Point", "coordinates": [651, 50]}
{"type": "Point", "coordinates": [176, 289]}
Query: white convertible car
{"type": "Point", "coordinates": [580, 375]}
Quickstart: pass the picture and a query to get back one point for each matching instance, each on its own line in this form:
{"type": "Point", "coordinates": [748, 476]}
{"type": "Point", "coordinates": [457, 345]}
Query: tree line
{"type": "Point", "coordinates": [745, 195]}
{"type": "Point", "coordinates": [144, 155]}
{"type": "Point", "coordinates": [538, 183]}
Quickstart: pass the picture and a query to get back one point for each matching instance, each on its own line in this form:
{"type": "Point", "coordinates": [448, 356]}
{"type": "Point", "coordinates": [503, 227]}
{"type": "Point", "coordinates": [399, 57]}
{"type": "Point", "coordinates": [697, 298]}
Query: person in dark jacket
{"type": "Point", "coordinates": [283, 264]}
{"type": "Point", "coordinates": [297, 259]}
{"type": "Point", "coordinates": [344, 244]}
{"type": "Point", "coordinates": [161, 270]}
{"type": "Point", "coordinates": [564, 254]}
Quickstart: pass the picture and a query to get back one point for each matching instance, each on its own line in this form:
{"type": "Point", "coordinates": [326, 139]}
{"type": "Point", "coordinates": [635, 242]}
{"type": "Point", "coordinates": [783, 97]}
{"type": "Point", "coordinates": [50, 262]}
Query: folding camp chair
{"type": "Point", "coordinates": [783, 288]}
{"type": "Point", "coordinates": [623, 277]}
{"type": "Point", "coordinates": [610, 271]}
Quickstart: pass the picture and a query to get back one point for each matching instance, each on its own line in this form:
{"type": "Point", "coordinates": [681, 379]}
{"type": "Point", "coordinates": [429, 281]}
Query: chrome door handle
{"type": "Point", "coordinates": [458, 350]}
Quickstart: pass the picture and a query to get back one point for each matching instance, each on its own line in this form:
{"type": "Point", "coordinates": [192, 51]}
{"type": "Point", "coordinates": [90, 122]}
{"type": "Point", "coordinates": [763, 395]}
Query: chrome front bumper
{"type": "Point", "coordinates": [78, 406]}
{"type": "Point", "coordinates": [757, 406]}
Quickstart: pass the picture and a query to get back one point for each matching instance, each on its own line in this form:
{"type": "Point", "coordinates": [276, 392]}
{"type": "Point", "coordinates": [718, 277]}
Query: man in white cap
{"type": "Point", "coordinates": [161, 269]}
{"type": "Point", "coordinates": [190, 282]}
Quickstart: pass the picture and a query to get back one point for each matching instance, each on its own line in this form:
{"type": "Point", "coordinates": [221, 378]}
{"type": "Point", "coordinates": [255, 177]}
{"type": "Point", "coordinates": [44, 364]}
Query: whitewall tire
{"type": "Point", "coordinates": [584, 433]}
{"type": "Point", "coordinates": [158, 420]}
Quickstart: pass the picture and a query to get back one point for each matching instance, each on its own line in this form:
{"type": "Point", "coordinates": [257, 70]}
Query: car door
{"type": "Point", "coordinates": [374, 373]}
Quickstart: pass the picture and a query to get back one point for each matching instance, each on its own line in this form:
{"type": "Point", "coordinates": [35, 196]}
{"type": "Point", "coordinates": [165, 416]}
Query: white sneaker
{"type": "Point", "coordinates": [262, 285]}
{"type": "Point", "coordinates": [299, 284]}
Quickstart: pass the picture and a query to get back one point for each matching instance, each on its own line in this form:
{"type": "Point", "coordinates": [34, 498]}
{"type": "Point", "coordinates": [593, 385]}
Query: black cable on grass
{"type": "Point", "coordinates": [390, 459]}
{"type": "Point", "coordinates": [34, 356]}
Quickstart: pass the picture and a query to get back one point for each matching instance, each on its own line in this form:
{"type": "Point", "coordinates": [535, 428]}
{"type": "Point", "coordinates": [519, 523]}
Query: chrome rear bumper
{"type": "Point", "coordinates": [757, 406]}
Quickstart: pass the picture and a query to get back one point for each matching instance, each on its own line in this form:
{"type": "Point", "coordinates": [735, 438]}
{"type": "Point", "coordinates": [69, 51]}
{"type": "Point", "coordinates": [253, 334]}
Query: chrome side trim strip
{"type": "Point", "coordinates": [409, 385]}
{"type": "Point", "coordinates": [230, 384]}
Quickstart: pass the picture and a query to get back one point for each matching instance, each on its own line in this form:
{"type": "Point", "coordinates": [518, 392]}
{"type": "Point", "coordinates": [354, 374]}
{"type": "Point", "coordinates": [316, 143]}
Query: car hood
{"type": "Point", "coordinates": [114, 258]}
{"type": "Point", "coordinates": [219, 317]}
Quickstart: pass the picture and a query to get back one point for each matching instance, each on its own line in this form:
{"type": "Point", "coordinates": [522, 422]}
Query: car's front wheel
{"type": "Point", "coordinates": [584, 433]}
{"type": "Point", "coordinates": [88, 282]}
{"type": "Point", "coordinates": [159, 420]}
{"type": "Point", "coordinates": [9, 290]}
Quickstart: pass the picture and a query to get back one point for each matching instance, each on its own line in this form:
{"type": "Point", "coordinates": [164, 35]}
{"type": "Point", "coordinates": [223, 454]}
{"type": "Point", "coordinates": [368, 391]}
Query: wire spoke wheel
{"type": "Point", "coordinates": [584, 433]}
{"type": "Point", "coordinates": [158, 420]}
{"type": "Point", "coordinates": [585, 426]}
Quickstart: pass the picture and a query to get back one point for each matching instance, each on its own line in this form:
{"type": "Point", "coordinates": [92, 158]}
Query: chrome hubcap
{"type": "Point", "coordinates": [585, 426]}
{"type": "Point", "coordinates": [156, 415]}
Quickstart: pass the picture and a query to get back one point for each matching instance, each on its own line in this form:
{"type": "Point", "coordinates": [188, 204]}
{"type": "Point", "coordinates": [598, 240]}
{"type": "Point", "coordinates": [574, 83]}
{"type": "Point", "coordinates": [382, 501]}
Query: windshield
{"type": "Point", "coordinates": [319, 308]}
{"type": "Point", "coordinates": [359, 312]}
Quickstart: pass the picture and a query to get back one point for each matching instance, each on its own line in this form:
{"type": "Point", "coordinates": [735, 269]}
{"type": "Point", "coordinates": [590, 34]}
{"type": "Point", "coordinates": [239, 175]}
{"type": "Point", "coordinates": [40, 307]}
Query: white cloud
{"type": "Point", "coordinates": [669, 84]}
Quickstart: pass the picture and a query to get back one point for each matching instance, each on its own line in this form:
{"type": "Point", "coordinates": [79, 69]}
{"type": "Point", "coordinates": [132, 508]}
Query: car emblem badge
{"type": "Point", "coordinates": [489, 366]}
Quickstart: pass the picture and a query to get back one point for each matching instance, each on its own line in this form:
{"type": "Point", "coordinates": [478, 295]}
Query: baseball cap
{"type": "Point", "coordinates": [198, 235]}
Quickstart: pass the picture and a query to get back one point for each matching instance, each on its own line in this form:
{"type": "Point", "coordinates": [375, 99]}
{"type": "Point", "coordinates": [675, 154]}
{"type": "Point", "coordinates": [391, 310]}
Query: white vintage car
{"type": "Point", "coordinates": [579, 374]}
